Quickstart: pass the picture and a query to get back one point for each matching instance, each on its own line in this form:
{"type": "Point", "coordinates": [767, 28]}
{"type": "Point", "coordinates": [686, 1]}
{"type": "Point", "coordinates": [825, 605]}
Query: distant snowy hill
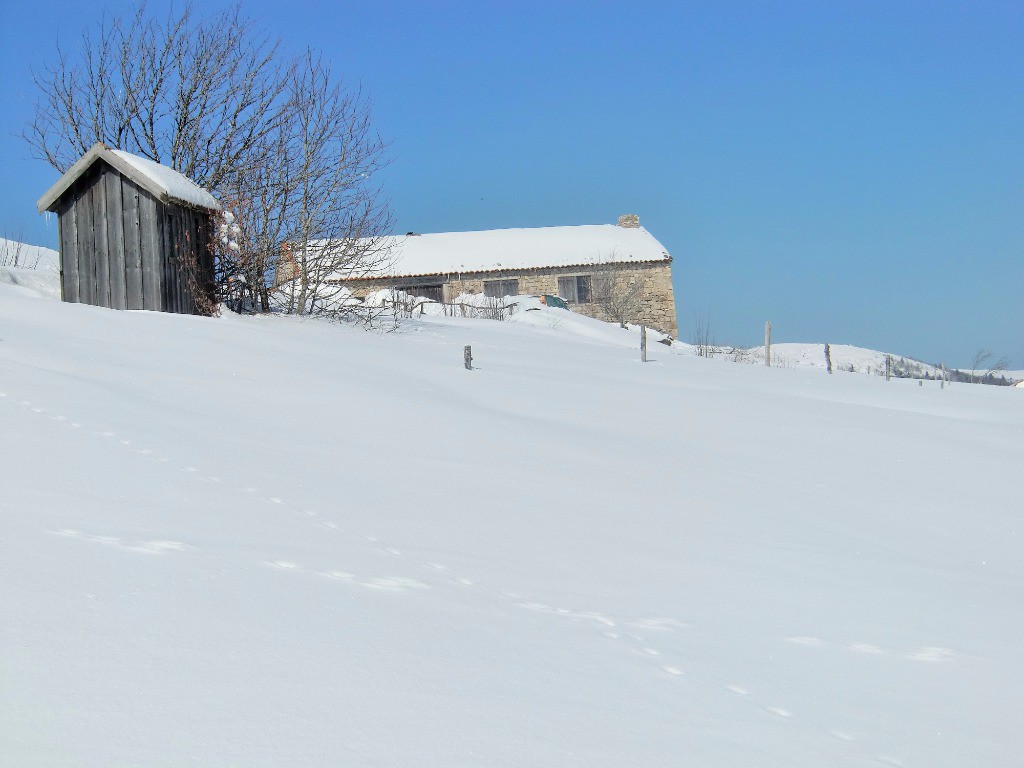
{"type": "Point", "coordinates": [17, 254]}
{"type": "Point", "coordinates": [263, 541]}
{"type": "Point", "coordinates": [845, 358]}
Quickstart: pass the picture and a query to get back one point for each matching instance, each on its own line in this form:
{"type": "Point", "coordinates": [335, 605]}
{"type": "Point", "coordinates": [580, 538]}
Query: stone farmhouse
{"type": "Point", "coordinates": [607, 271]}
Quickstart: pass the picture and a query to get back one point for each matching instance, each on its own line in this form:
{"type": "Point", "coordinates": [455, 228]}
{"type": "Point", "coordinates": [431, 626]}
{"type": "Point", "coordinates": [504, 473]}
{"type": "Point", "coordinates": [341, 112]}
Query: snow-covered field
{"type": "Point", "coordinates": [14, 253]}
{"type": "Point", "coordinates": [270, 542]}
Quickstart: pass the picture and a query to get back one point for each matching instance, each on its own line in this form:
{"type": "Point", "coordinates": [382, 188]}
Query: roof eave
{"type": "Point", "coordinates": [100, 151]}
{"type": "Point", "coordinates": [498, 270]}
{"type": "Point", "coordinates": [69, 177]}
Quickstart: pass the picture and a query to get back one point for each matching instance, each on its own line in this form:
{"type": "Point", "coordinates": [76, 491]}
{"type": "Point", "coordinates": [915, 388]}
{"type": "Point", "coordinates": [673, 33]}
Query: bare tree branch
{"type": "Point", "coordinates": [281, 140]}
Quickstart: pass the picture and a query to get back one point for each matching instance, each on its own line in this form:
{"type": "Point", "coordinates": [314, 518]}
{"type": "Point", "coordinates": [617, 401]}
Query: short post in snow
{"type": "Point", "coordinates": [828, 358]}
{"type": "Point", "coordinates": [942, 376]}
{"type": "Point", "coordinates": [768, 343]}
{"type": "Point", "coordinates": [643, 343]}
{"type": "Point", "coordinates": [468, 354]}
{"type": "Point", "coordinates": [888, 366]}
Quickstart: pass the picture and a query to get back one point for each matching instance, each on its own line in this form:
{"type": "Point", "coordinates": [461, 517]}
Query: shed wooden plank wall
{"type": "Point", "coordinates": [132, 244]}
{"type": "Point", "coordinates": [152, 246]}
{"type": "Point", "coordinates": [115, 241]}
{"type": "Point", "coordinates": [68, 254]}
{"type": "Point", "coordinates": [86, 258]}
{"type": "Point", "coordinates": [122, 248]}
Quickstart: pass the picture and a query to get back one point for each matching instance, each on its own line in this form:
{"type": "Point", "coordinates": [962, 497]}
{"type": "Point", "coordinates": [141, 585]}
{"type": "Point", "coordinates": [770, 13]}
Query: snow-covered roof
{"type": "Point", "coordinates": [504, 249]}
{"type": "Point", "coordinates": [166, 184]}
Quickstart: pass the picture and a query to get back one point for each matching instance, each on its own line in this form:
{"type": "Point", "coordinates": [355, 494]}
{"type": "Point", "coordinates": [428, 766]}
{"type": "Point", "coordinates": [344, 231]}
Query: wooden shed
{"type": "Point", "coordinates": [134, 234]}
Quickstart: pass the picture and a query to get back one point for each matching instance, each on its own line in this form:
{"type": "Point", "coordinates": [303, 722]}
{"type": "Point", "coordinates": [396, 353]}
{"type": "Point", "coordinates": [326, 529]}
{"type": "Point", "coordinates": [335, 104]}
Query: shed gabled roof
{"type": "Point", "coordinates": [165, 184]}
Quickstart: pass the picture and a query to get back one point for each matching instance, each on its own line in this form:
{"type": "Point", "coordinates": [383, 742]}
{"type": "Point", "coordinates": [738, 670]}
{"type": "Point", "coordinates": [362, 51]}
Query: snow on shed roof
{"type": "Point", "coordinates": [503, 249]}
{"type": "Point", "coordinates": [166, 184]}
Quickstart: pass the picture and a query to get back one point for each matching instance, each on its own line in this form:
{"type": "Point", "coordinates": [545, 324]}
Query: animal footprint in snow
{"type": "Point", "coordinates": [155, 547]}
{"type": "Point", "coordinates": [657, 623]}
{"type": "Point", "coordinates": [539, 607]}
{"type": "Point", "coordinates": [394, 583]}
{"type": "Point", "coordinates": [340, 575]}
{"type": "Point", "coordinates": [809, 641]}
{"type": "Point", "coordinates": [867, 648]}
{"type": "Point", "coordinates": [841, 735]}
{"type": "Point", "coordinates": [929, 653]}
{"type": "Point", "coordinates": [591, 616]}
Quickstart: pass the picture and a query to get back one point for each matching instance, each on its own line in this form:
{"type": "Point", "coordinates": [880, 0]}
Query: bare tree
{"type": "Point", "coordinates": [618, 292]}
{"type": "Point", "coordinates": [196, 94]}
{"type": "Point", "coordinates": [981, 362]}
{"type": "Point", "coordinates": [328, 203]}
{"type": "Point", "coordinates": [279, 140]}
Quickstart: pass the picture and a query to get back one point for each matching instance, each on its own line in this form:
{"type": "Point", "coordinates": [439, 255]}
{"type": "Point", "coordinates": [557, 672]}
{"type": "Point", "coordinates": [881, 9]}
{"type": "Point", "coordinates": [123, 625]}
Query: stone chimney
{"type": "Point", "coordinates": [629, 221]}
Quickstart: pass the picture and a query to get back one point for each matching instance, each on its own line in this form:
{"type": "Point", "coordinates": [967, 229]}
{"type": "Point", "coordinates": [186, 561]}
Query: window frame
{"type": "Point", "coordinates": [577, 281]}
{"type": "Point", "coordinates": [497, 289]}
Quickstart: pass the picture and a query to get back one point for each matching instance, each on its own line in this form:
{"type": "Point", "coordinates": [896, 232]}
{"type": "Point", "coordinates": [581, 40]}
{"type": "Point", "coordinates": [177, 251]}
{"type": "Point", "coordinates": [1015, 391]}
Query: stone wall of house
{"type": "Point", "coordinates": [640, 293]}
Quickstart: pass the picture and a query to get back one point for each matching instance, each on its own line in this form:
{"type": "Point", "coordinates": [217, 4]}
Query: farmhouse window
{"type": "Point", "coordinates": [496, 289]}
{"type": "Point", "coordinates": [575, 289]}
{"type": "Point", "coordinates": [432, 292]}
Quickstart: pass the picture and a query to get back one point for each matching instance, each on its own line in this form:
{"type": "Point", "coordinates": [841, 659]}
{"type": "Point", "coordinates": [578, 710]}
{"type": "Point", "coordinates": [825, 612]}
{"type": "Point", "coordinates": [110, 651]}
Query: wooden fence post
{"type": "Point", "coordinates": [828, 358]}
{"type": "Point", "coordinates": [888, 366]}
{"type": "Point", "coordinates": [643, 343]}
{"type": "Point", "coordinates": [468, 354]}
{"type": "Point", "coordinates": [768, 343]}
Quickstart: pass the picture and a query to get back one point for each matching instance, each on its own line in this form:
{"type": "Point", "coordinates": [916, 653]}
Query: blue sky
{"type": "Point", "coordinates": [851, 171]}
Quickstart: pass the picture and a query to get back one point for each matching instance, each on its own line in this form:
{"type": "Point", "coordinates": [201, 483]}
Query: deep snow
{"type": "Point", "coordinates": [270, 542]}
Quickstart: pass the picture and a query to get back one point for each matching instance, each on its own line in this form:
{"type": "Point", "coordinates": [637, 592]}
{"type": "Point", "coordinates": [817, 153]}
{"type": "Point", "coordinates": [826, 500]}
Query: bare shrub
{"type": "Point", "coordinates": [14, 252]}
{"type": "Point", "coordinates": [618, 292]}
{"type": "Point", "coordinates": [703, 338]}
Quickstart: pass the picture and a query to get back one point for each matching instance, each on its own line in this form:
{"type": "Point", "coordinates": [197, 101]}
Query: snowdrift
{"type": "Point", "coordinates": [274, 542]}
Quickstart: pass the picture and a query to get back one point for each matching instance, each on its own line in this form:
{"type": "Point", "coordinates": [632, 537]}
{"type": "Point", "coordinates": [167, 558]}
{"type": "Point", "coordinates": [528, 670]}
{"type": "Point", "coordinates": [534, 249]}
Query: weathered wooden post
{"type": "Point", "coordinates": [768, 343]}
{"type": "Point", "coordinates": [888, 366]}
{"type": "Point", "coordinates": [643, 343]}
{"type": "Point", "coordinates": [468, 354]}
{"type": "Point", "coordinates": [828, 358]}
